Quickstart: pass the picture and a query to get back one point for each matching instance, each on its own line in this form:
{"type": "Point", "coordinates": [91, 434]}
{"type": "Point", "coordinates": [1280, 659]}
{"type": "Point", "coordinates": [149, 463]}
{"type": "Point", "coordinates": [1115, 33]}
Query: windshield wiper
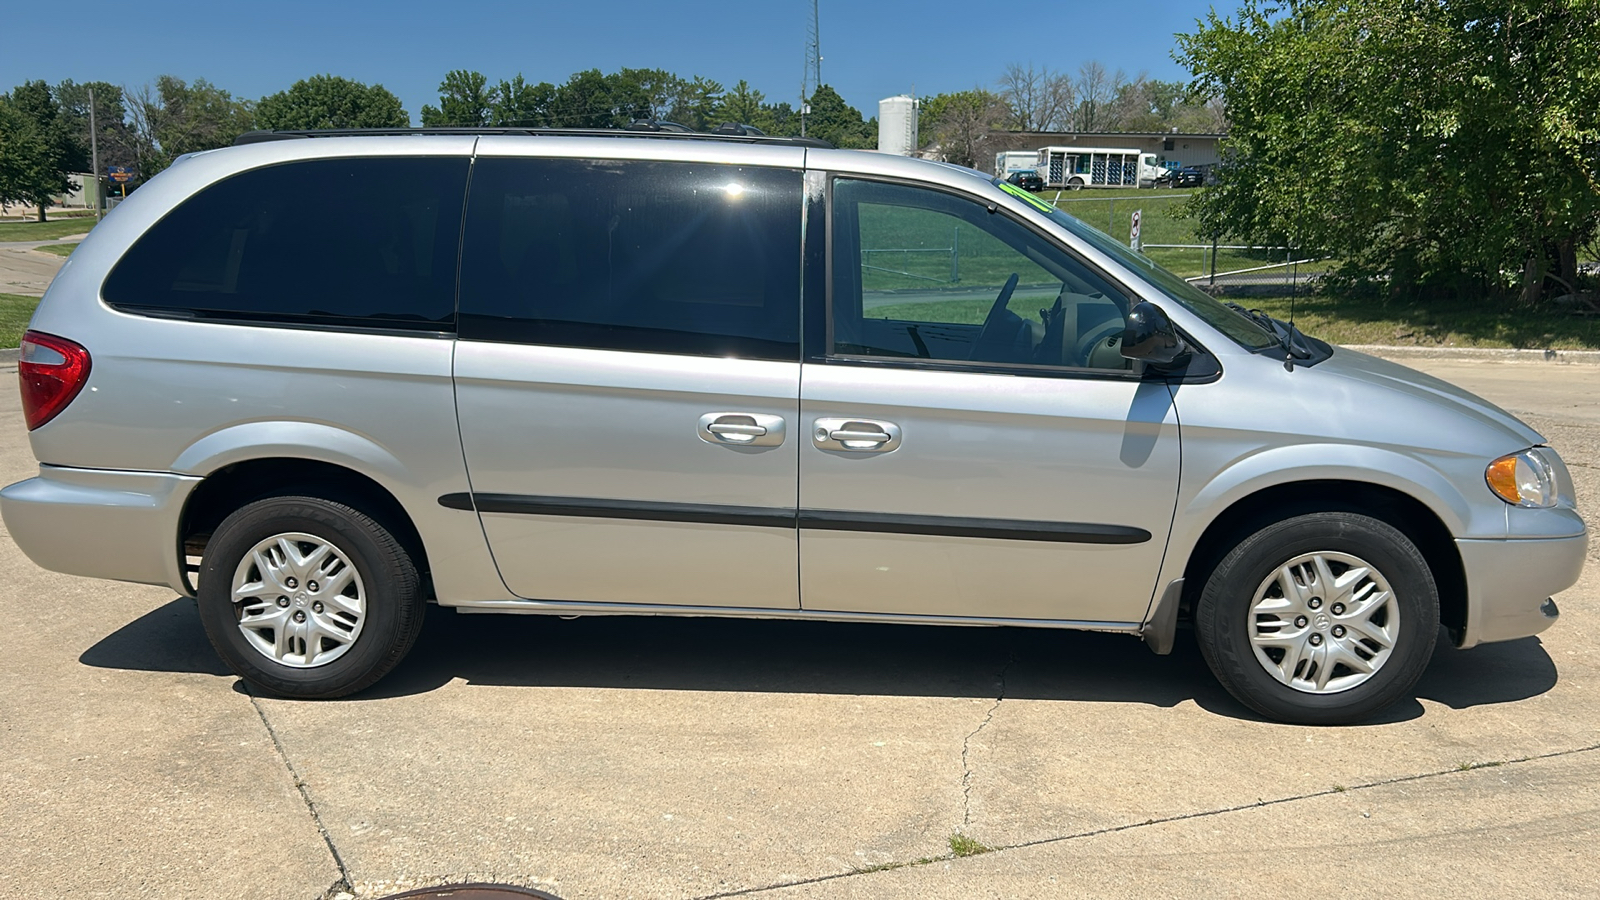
{"type": "Point", "coordinates": [1290, 338]}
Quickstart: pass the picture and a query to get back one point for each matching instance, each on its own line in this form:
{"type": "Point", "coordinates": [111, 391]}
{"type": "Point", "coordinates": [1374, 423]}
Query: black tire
{"type": "Point", "coordinates": [391, 589]}
{"type": "Point", "coordinates": [1223, 617]}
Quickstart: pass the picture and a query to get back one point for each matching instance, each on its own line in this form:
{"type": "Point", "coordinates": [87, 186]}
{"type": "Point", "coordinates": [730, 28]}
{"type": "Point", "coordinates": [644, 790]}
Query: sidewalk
{"type": "Point", "coordinates": [29, 245]}
{"type": "Point", "coordinates": [22, 271]}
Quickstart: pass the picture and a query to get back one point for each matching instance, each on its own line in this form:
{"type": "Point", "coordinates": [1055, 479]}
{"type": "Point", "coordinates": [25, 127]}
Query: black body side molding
{"type": "Point", "coordinates": [814, 519]}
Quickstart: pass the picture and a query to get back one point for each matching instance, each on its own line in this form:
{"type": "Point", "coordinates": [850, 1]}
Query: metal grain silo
{"type": "Point", "coordinates": [897, 125]}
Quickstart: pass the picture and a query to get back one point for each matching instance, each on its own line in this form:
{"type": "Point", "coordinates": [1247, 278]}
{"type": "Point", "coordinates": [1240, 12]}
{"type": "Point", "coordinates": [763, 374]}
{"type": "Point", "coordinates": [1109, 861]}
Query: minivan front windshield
{"type": "Point", "coordinates": [1235, 325]}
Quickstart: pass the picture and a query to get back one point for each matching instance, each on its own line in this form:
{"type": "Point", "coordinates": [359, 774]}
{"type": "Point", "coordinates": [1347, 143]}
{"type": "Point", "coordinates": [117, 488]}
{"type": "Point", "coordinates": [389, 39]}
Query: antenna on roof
{"type": "Point", "coordinates": [811, 77]}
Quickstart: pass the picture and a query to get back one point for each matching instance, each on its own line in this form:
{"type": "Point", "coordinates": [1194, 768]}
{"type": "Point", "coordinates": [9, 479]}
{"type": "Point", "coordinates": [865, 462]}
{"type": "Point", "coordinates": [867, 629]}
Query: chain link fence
{"type": "Point", "coordinates": [1168, 237]}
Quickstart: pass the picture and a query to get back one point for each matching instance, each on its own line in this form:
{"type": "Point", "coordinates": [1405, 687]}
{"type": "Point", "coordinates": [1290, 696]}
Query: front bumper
{"type": "Point", "coordinates": [1508, 582]}
{"type": "Point", "coordinates": [101, 523]}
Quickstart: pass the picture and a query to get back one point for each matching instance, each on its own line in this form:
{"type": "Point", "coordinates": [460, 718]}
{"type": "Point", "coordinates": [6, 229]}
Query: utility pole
{"type": "Point", "coordinates": [811, 78]}
{"type": "Point", "coordinates": [94, 158]}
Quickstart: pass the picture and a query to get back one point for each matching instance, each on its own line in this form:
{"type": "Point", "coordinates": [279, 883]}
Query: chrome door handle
{"type": "Point", "coordinates": [727, 428]}
{"type": "Point", "coordinates": [871, 437]}
{"type": "Point", "coordinates": [858, 435]}
{"type": "Point", "coordinates": [736, 429]}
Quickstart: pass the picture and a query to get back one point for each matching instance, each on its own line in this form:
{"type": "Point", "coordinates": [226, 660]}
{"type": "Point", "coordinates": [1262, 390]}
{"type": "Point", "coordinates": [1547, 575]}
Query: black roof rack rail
{"type": "Point", "coordinates": [259, 137]}
{"type": "Point", "coordinates": [657, 125]}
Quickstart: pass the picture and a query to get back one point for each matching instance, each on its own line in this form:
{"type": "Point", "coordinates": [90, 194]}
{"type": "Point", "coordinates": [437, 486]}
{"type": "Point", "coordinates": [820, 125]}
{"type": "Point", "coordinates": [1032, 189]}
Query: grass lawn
{"type": "Point", "coordinates": [15, 311]}
{"type": "Point", "coordinates": [44, 231]}
{"type": "Point", "coordinates": [1345, 321]}
{"type": "Point", "coordinates": [909, 248]}
{"type": "Point", "coordinates": [954, 312]}
{"type": "Point", "coordinates": [57, 249]}
{"type": "Point", "coordinates": [1111, 211]}
{"type": "Point", "coordinates": [1341, 320]}
{"type": "Point", "coordinates": [1193, 263]}
{"type": "Point", "coordinates": [1049, 194]}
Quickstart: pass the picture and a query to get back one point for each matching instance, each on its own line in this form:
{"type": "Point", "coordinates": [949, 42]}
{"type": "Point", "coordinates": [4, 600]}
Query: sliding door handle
{"type": "Point", "coordinates": [852, 437]}
{"type": "Point", "coordinates": [855, 435]}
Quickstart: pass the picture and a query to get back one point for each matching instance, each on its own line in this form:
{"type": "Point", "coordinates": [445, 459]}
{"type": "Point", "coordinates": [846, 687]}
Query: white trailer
{"type": "Point", "coordinates": [1071, 168]}
{"type": "Point", "coordinates": [1015, 161]}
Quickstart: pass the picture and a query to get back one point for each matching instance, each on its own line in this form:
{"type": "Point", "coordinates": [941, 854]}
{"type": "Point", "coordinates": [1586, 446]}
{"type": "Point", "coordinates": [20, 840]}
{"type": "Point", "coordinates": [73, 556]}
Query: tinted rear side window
{"type": "Point", "coordinates": [653, 256]}
{"type": "Point", "coordinates": [367, 242]}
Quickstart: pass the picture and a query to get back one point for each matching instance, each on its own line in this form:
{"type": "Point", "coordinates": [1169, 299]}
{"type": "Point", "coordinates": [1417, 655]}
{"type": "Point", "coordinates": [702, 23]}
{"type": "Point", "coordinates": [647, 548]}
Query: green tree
{"type": "Point", "coordinates": [645, 93]}
{"type": "Point", "coordinates": [516, 102]}
{"type": "Point", "coordinates": [1432, 146]}
{"type": "Point", "coordinates": [463, 101]}
{"type": "Point", "coordinates": [117, 142]}
{"type": "Point", "coordinates": [695, 103]}
{"type": "Point", "coordinates": [960, 124]}
{"type": "Point", "coordinates": [744, 105]}
{"type": "Point", "coordinates": [45, 147]}
{"type": "Point", "coordinates": [1144, 104]}
{"type": "Point", "coordinates": [837, 122]}
{"type": "Point", "coordinates": [782, 118]}
{"type": "Point", "coordinates": [30, 159]}
{"type": "Point", "coordinates": [177, 117]}
{"type": "Point", "coordinates": [328, 101]}
{"type": "Point", "coordinates": [590, 99]}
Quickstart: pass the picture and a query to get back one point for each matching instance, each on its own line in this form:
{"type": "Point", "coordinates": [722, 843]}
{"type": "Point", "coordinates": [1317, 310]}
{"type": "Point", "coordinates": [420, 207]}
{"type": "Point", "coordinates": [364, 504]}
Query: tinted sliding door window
{"type": "Point", "coordinates": [365, 242]}
{"type": "Point", "coordinates": [924, 274]}
{"type": "Point", "coordinates": [666, 257]}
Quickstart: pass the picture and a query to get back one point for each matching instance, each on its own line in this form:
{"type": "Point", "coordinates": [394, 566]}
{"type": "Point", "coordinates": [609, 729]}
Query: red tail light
{"type": "Point", "coordinates": [53, 370]}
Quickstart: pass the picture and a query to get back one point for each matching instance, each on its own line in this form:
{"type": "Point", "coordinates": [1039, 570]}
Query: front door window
{"type": "Point", "coordinates": [921, 274]}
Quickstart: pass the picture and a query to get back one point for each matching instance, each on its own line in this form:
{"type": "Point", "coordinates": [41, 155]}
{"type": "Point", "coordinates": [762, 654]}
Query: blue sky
{"type": "Point", "coordinates": [871, 49]}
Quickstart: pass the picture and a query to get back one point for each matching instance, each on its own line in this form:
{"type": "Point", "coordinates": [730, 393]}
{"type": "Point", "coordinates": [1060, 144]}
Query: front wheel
{"type": "Point", "coordinates": [304, 597]}
{"type": "Point", "coordinates": [1321, 619]}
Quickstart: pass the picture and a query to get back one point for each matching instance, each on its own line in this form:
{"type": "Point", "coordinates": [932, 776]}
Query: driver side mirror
{"type": "Point", "coordinates": [1150, 337]}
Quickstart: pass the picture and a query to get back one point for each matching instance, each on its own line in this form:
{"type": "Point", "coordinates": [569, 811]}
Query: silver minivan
{"type": "Point", "coordinates": [320, 380]}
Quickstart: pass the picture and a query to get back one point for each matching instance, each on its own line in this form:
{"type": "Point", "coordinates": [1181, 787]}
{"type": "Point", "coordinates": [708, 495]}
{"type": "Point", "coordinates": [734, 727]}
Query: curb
{"type": "Point", "coordinates": [1480, 354]}
{"type": "Point", "coordinates": [10, 355]}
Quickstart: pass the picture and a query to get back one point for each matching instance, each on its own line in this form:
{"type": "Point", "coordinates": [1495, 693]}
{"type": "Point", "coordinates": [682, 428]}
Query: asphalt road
{"type": "Point", "coordinates": [616, 758]}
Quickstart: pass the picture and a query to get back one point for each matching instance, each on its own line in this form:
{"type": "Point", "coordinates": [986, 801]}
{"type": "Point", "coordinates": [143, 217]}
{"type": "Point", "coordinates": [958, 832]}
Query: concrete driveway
{"type": "Point", "coordinates": [615, 758]}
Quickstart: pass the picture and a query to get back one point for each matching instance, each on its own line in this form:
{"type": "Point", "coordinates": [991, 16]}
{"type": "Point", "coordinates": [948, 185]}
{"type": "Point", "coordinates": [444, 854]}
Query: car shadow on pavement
{"type": "Point", "coordinates": [749, 655]}
{"type": "Point", "coordinates": [166, 639]}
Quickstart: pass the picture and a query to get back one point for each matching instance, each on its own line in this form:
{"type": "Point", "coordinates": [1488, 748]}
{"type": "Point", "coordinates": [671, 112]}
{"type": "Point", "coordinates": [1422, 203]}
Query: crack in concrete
{"type": "Point", "coordinates": [343, 884]}
{"type": "Point", "coordinates": [1181, 817]}
{"type": "Point", "coordinates": [966, 742]}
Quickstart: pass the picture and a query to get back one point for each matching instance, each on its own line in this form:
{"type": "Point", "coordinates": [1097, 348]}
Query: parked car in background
{"type": "Point", "coordinates": [1187, 176]}
{"type": "Point", "coordinates": [657, 373]}
{"type": "Point", "coordinates": [1027, 179]}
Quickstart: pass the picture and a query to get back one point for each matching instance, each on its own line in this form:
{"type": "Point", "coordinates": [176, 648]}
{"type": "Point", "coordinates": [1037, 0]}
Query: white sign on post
{"type": "Point", "coordinates": [1133, 233]}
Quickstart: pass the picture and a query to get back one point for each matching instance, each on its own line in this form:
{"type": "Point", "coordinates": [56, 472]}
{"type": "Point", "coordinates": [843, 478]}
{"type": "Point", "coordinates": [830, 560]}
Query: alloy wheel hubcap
{"type": "Point", "coordinates": [300, 601]}
{"type": "Point", "coordinates": [1324, 622]}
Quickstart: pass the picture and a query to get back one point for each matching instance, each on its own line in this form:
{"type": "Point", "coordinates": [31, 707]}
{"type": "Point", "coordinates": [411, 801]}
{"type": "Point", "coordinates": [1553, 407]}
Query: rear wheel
{"type": "Point", "coordinates": [306, 597]}
{"type": "Point", "coordinates": [1320, 619]}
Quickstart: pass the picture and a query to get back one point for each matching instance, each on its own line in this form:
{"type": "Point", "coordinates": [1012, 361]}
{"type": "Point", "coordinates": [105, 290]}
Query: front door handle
{"type": "Point", "coordinates": [856, 435]}
{"type": "Point", "coordinates": [737, 429]}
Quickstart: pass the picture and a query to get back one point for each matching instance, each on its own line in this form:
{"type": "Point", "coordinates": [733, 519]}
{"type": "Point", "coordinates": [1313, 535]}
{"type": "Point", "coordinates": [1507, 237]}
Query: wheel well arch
{"type": "Point", "coordinates": [236, 484]}
{"type": "Point", "coordinates": [1405, 512]}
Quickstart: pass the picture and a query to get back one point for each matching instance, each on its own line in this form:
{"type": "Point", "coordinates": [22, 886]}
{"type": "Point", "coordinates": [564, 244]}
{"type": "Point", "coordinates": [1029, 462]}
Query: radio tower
{"type": "Point", "coordinates": [811, 78]}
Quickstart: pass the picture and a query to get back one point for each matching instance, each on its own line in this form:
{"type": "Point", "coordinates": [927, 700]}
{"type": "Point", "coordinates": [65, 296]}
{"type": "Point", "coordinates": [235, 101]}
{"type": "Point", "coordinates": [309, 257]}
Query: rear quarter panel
{"type": "Point", "coordinates": [170, 395]}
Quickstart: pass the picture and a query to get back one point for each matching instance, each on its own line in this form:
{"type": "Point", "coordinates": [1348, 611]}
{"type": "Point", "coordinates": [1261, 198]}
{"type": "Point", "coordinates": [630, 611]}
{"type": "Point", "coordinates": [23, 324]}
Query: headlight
{"type": "Point", "coordinates": [1523, 479]}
